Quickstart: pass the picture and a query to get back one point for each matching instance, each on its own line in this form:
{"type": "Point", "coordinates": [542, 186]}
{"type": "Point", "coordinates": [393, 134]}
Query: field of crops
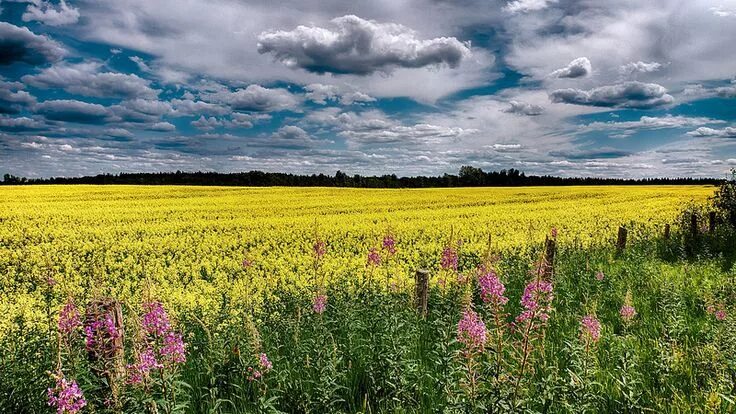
{"type": "Point", "coordinates": [210, 299]}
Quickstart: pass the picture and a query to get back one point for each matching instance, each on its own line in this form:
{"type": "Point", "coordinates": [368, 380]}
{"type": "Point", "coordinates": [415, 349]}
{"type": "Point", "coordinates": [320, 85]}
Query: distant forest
{"type": "Point", "coordinates": [468, 176]}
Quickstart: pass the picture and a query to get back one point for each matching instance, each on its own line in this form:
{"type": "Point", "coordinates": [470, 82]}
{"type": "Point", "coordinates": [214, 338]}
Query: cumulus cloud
{"type": "Point", "coordinates": [19, 124]}
{"type": "Point", "coordinates": [524, 6]}
{"type": "Point", "coordinates": [636, 95]}
{"type": "Point", "coordinates": [374, 127]}
{"type": "Point", "coordinates": [87, 80]}
{"type": "Point", "coordinates": [47, 13]}
{"type": "Point", "coordinates": [119, 133]}
{"type": "Point", "coordinates": [578, 68]}
{"type": "Point", "coordinates": [72, 111]}
{"type": "Point", "coordinates": [254, 98]}
{"type": "Point", "coordinates": [184, 107]}
{"type": "Point", "coordinates": [162, 127]}
{"type": "Point", "coordinates": [523, 108]}
{"type": "Point", "coordinates": [356, 46]}
{"type": "Point", "coordinates": [651, 122]}
{"type": "Point", "coordinates": [639, 67]}
{"type": "Point", "coordinates": [728, 132]}
{"type": "Point", "coordinates": [320, 93]}
{"type": "Point", "coordinates": [18, 44]}
{"type": "Point", "coordinates": [13, 98]}
{"type": "Point", "coordinates": [291, 136]}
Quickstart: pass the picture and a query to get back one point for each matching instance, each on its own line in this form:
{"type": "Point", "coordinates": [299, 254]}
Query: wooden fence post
{"type": "Point", "coordinates": [666, 231]}
{"type": "Point", "coordinates": [693, 224]}
{"type": "Point", "coordinates": [549, 258]}
{"type": "Point", "coordinates": [621, 241]}
{"type": "Point", "coordinates": [422, 291]}
{"type": "Point", "coordinates": [108, 355]}
{"type": "Point", "coordinates": [712, 222]}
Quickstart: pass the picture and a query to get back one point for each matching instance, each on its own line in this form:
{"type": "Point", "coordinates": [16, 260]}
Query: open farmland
{"type": "Point", "coordinates": [321, 283]}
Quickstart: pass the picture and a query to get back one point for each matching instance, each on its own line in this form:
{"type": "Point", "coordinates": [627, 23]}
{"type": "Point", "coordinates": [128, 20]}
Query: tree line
{"type": "Point", "coordinates": [468, 176]}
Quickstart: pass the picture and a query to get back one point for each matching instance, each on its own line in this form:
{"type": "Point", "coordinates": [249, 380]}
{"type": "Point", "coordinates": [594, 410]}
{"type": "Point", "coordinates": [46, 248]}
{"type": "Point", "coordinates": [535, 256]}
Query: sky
{"type": "Point", "coordinates": [614, 88]}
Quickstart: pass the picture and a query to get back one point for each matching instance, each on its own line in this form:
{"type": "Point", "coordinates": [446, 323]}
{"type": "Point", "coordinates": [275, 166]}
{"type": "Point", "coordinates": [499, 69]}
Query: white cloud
{"type": "Point", "coordinates": [623, 95]}
{"type": "Point", "coordinates": [639, 67]}
{"type": "Point", "coordinates": [88, 80]}
{"type": "Point", "coordinates": [728, 132]}
{"type": "Point", "coordinates": [524, 6]}
{"type": "Point", "coordinates": [254, 98]}
{"type": "Point", "coordinates": [578, 68]}
{"type": "Point", "coordinates": [46, 13]}
{"type": "Point", "coordinates": [356, 46]}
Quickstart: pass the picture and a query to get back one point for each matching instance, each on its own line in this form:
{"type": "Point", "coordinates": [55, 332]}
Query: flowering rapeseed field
{"type": "Point", "coordinates": [268, 299]}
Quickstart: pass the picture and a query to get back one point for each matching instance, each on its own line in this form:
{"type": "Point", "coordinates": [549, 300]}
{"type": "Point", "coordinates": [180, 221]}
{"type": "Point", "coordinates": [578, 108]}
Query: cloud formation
{"type": "Point", "coordinates": [728, 132]}
{"type": "Point", "coordinates": [352, 45]}
{"type": "Point", "coordinates": [578, 68]}
{"type": "Point", "coordinates": [48, 14]}
{"type": "Point", "coordinates": [623, 95]}
{"type": "Point", "coordinates": [86, 79]}
{"type": "Point", "coordinates": [254, 98]}
{"type": "Point", "coordinates": [18, 44]}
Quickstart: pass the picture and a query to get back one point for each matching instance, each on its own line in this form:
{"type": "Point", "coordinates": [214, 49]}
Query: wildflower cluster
{"type": "Point", "coordinates": [491, 289]}
{"type": "Point", "coordinates": [449, 259]}
{"type": "Point", "coordinates": [66, 396]}
{"type": "Point", "coordinates": [389, 244]}
{"type": "Point", "coordinates": [627, 311]}
{"type": "Point", "coordinates": [471, 331]}
{"type": "Point", "coordinates": [69, 319]}
{"type": "Point", "coordinates": [717, 310]}
{"type": "Point", "coordinates": [319, 303]}
{"type": "Point", "coordinates": [590, 328]}
{"type": "Point", "coordinates": [100, 333]}
{"type": "Point", "coordinates": [264, 365]}
{"type": "Point", "coordinates": [162, 346]}
{"type": "Point", "coordinates": [537, 301]}
{"type": "Point", "coordinates": [374, 258]}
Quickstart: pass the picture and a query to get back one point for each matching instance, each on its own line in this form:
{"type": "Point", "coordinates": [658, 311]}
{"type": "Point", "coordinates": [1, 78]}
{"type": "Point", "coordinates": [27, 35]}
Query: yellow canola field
{"type": "Point", "coordinates": [188, 243]}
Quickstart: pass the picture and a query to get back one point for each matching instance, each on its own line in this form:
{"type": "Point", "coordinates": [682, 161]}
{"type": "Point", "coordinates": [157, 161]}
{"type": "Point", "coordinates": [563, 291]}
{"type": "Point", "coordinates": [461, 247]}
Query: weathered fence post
{"type": "Point", "coordinates": [422, 291]}
{"type": "Point", "coordinates": [621, 241]}
{"type": "Point", "coordinates": [712, 222]}
{"type": "Point", "coordinates": [549, 258]}
{"type": "Point", "coordinates": [693, 224]}
{"type": "Point", "coordinates": [666, 231]}
{"type": "Point", "coordinates": [107, 353]}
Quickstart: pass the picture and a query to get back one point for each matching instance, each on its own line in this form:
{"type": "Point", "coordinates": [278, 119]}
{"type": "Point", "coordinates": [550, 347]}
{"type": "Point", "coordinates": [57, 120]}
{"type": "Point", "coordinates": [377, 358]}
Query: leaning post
{"type": "Point", "coordinates": [422, 292]}
{"type": "Point", "coordinates": [621, 241]}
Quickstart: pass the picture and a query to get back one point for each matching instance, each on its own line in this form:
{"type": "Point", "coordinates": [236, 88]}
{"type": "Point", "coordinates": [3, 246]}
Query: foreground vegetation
{"type": "Point", "coordinates": [139, 299]}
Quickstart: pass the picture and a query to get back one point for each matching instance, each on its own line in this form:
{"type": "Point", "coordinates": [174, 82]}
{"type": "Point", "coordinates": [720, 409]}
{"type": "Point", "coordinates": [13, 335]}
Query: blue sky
{"type": "Point", "coordinates": [615, 88]}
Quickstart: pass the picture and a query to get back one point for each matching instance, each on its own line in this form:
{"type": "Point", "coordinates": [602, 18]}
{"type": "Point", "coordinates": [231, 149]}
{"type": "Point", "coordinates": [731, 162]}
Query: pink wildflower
{"type": "Point", "coordinates": [553, 232]}
{"type": "Point", "coordinates": [265, 363]}
{"type": "Point", "coordinates": [449, 259]}
{"type": "Point", "coordinates": [471, 331]}
{"type": "Point", "coordinates": [146, 363]}
{"type": "Point", "coordinates": [174, 349]}
{"type": "Point", "coordinates": [69, 319]}
{"type": "Point", "coordinates": [491, 288]}
{"type": "Point", "coordinates": [591, 328]}
{"type": "Point", "coordinates": [246, 263]}
{"type": "Point", "coordinates": [320, 248]}
{"type": "Point", "coordinates": [720, 315]}
{"type": "Point", "coordinates": [100, 333]}
{"type": "Point", "coordinates": [66, 396]}
{"type": "Point", "coordinates": [374, 259]}
{"type": "Point", "coordinates": [627, 312]}
{"type": "Point", "coordinates": [156, 320]}
{"type": "Point", "coordinates": [254, 374]}
{"type": "Point", "coordinates": [319, 303]}
{"type": "Point", "coordinates": [537, 301]}
{"type": "Point", "coordinates": [389, 244]}
{"type": "Point", "coordinates": [600, 276]}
